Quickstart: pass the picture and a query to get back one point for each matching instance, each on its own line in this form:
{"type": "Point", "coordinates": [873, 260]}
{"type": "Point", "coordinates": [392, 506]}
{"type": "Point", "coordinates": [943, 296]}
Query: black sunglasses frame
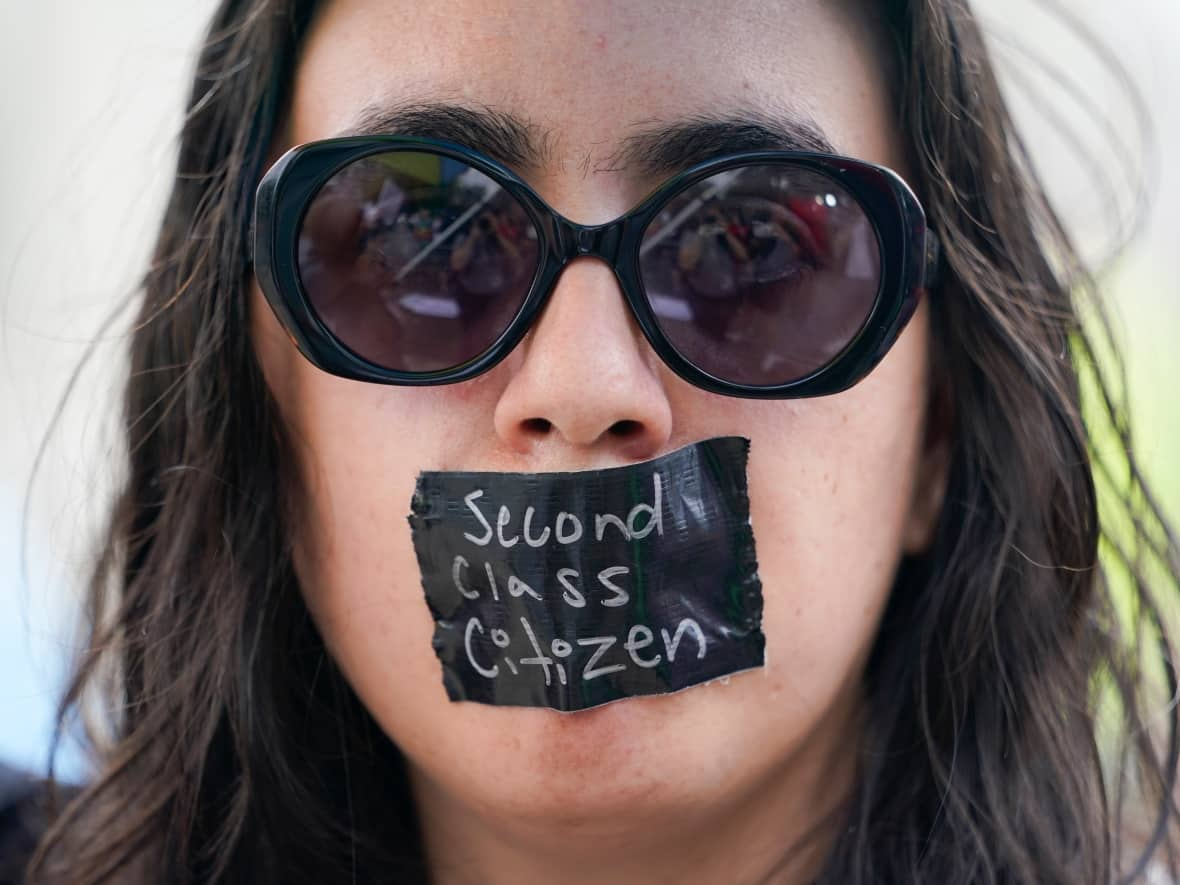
{"type": "Point", "coordinates": [909, 259]}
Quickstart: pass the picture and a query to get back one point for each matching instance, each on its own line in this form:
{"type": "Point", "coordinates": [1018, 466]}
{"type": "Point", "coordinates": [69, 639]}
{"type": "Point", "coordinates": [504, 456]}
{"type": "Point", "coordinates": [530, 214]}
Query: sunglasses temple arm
{"type": "Point", "coordinates": [933, 269]}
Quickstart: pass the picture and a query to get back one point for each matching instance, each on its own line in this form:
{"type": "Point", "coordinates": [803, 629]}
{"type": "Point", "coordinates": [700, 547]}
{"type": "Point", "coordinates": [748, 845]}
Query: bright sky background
{"type": "Point", "coordinates": [89, 113]}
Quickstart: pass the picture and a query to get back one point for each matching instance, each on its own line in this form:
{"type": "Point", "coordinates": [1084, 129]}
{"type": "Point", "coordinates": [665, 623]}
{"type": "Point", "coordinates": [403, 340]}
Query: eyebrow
{"type": "Point", "coordinates": [656, 148]}
{"type": "Point", "coordinates": [500, 135]}
{"type": "Point", "coordinates": [662, 148]}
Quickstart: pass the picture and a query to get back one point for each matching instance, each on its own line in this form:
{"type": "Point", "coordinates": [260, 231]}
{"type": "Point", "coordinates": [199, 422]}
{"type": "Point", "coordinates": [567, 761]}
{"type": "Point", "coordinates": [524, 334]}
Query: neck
{"type": "Point", "coordinates": [777, 831]}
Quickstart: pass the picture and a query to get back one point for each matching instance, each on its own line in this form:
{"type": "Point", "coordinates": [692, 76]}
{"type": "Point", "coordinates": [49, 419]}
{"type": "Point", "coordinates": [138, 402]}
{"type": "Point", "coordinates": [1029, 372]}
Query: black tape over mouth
{"type": "Point", "coordinates": [571, 590]}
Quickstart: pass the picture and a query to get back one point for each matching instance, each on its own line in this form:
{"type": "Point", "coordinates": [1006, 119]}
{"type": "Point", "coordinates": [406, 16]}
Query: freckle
{"type": "Point", "coordinates": [798, 611]}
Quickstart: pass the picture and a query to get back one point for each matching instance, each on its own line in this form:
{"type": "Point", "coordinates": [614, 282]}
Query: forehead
{"type": "Point", "coordinates": [586, 78]}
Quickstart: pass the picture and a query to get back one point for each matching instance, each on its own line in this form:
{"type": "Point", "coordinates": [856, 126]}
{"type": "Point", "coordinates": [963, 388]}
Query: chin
{"type": "Point", "coordinates": [624, 760]}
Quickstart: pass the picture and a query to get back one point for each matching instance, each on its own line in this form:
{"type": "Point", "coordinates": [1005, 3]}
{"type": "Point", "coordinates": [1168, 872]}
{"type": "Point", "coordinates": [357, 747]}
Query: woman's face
{"type": "Point", "coordinates": [840, 486]}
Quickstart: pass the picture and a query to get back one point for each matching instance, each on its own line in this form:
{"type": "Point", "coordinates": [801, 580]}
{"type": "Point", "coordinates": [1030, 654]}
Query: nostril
{"type": "Point", "coordinates": [538, 426]}
{"type": "Point", "coordinates": [626, 429]}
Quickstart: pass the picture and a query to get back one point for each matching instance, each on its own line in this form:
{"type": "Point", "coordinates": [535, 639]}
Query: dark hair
{"type": "Point", "coordinates": [234, 751]}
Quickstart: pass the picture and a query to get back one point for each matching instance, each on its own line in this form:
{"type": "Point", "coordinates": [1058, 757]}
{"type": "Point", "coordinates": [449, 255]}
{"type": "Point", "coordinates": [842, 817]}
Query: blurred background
{"type": "Point", "coordinates": [89, 119]}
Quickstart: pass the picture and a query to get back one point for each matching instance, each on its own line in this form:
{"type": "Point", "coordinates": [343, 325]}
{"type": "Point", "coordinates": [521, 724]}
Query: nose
{"type": "Point", "coordinates": [584, 378]}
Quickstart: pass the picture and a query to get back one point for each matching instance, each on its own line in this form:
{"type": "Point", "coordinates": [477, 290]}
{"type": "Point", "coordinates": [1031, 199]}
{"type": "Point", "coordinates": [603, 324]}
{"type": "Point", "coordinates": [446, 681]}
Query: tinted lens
{"type": "Point", "coordinates": [415, 261]}
{"type": "Point", "coordinates": [763, 274]}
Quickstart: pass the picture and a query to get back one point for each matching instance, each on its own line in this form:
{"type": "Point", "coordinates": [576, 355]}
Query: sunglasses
{"type": "Point", "coordinates": [414, 261]}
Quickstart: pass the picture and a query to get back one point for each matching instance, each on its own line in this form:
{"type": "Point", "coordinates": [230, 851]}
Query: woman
{"type": "Point", "coordinates": [921, 497]}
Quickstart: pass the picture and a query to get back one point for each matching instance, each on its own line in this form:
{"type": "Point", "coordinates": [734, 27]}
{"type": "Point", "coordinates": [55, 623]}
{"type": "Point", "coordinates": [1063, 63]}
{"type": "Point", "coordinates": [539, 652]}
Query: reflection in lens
{"type": "Point", "coordinates": [414, 261]}
{"type": "Point", "coordinates": [761, 275]}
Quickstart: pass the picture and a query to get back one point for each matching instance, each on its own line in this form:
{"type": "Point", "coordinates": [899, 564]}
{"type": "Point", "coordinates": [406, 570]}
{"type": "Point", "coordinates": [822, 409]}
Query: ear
{"type": "Point", "coordinates": [931, 477]}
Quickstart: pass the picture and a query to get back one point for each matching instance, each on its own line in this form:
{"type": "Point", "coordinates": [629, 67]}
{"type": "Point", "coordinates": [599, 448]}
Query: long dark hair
{"type": "Point", "coordinates": [232, 750]}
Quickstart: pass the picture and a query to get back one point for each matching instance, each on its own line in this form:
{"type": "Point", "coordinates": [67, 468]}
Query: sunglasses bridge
{"type": "Point", "coordinates": [574, 240]}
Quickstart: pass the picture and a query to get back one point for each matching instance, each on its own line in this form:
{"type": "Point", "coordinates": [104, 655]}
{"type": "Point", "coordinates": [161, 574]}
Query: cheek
{"type": "Point", "coordinates": [359, 448]}
{"type": "Point", "coordinates": [831, 485]}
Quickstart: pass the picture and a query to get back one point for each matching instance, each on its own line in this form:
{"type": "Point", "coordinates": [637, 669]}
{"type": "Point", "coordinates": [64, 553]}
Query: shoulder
{"type": "Point", "coordinates": [24, 815]}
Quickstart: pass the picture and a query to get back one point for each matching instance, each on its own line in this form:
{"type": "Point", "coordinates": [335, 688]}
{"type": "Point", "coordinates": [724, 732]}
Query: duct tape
{"type": "Point", "coordinates": [571, 590]}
